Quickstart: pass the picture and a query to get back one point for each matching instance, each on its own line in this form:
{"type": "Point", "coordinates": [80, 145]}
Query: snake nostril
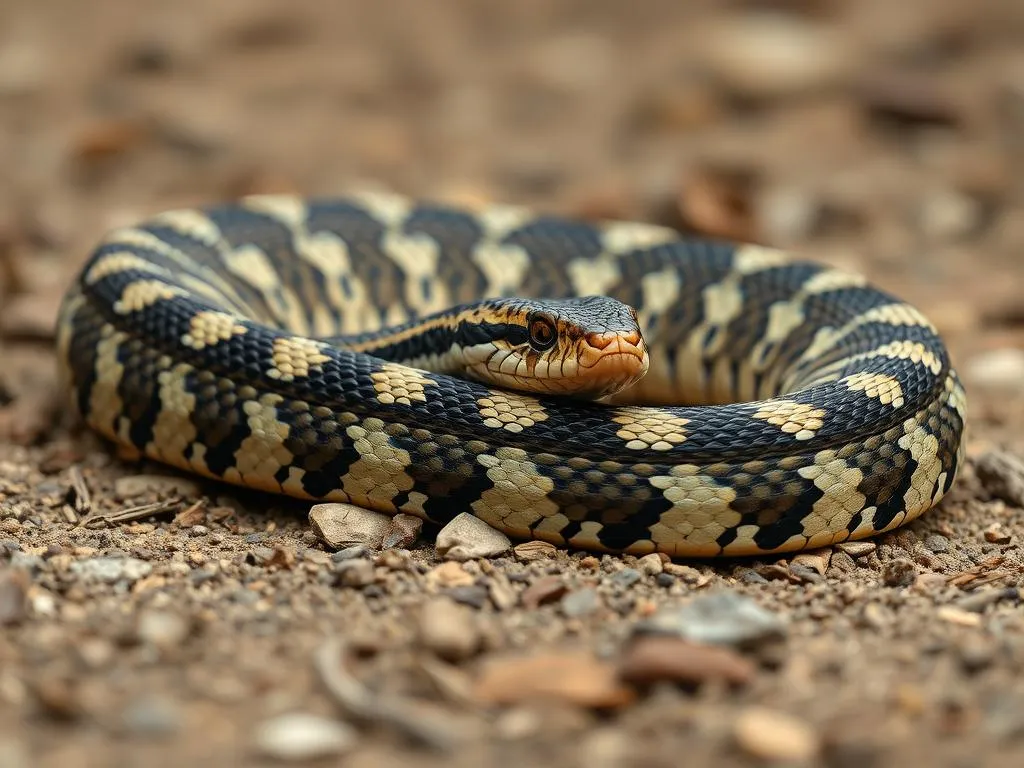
{"type": "Point", "coordinates": [605, 340]}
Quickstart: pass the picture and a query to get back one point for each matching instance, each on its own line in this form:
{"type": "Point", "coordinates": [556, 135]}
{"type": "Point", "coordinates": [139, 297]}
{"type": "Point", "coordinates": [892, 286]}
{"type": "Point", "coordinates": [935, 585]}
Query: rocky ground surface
{"type": "Point", "coordinates": [150, 619]}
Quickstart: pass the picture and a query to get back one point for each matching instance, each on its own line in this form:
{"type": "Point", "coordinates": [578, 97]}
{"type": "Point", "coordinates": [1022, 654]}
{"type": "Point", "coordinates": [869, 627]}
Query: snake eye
{"type": "Point", "coordinates": [542, 333]}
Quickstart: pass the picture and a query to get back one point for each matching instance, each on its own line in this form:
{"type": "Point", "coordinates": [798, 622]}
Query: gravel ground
{"type": "Point", "coordinates": [150, 619]}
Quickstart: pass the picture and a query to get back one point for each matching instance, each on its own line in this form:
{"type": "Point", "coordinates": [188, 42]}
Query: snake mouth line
{"type": "Point", "coordinates": [614, 354]}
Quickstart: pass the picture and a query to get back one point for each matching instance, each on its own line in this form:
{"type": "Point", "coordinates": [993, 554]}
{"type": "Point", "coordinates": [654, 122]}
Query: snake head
{"type": "Point", "coordinates": [588, 347]}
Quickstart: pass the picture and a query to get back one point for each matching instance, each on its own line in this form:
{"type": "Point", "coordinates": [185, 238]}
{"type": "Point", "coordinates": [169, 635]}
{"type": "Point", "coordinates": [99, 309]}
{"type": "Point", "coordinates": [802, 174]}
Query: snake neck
{"type": "Point", "coordinates": [429, 343]}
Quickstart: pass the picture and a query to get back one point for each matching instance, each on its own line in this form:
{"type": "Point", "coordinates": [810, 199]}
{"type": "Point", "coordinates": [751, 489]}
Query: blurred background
{"type": "Point", "coordinates": [882, 136]}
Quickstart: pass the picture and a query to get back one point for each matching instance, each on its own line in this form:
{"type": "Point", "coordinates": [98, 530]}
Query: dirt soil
{"type": "Point", "coordinates": [215, 627]}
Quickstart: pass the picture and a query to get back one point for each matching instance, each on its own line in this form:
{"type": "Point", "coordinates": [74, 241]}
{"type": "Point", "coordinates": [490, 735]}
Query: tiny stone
{"type": "Point", "coordinates": [300, 737]}
{"type": "Point", "coordinates": [396, 560]}
{"type": "Point", "coordinates": [355, 573]}
{"type": "Point", "coordinates": [473, 595]}
{"type": "Point", "coordinates": [529, 551]}
{"type": "Point", "coordinates": [468, 537]}
{"type": "Point", "coordinates": [805, 574]}
{"type": "Point", "coordinates": [13, 598]}
{"type": "Point", "coordinates": [899, 573]}
{"type": "Point", "coordinates": [198, 530]}
{"type": "Point", "coordinates": [162, 628]}
{"type": "Point", "coordinates": [341, 525]}
{"type": "Point", "coordinates": [448, 629]}
{"type": "Point", "coordinates": [501, 593]}
{"type": "Point", "coordinates": [110, 570]}
{"type": "Point", "coordinates": [542, 591]}
{"type": "Point", "coordinates": [627, 577]}
{"type": "Point", "coordinates": [651, 564]}
{"type": "Point", "coordinates": [750, 576]}
{"type": "Point", "coordinates": [817, 561]}
{"type": "Point", "coordinates": [775, 736]}
{"type": "Point", "coordinates": [450, 574]}
{"type": "Point", "coordinates": [687, 573]}
{"type": "Point", "coordinates": [581, 602]}
{"type": "Point", "coordinates": [665, 580]}
{"type": "Point", "coordinates": [350, 553]}
{"type": "Point", "coordinates": [1002, 474]}
{"type": "Point", "coordinates": [937, 544]}
{"type": "Point", "coordinates": [151, 716]}
{"type": "Point", "coordinates": [719, 618]}
{"type": "Point", "coordinates": [995, 534]}
{"type": "Point", "coordinates": [402, 532]}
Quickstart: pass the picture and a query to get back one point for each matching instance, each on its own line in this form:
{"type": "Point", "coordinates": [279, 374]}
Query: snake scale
{"type": "Point", "coordinates": [297, 345]}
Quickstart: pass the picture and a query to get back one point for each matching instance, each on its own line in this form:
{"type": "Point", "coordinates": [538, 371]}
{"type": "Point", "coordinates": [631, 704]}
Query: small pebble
{"type": "Point", "coordinates": [162, 628]}
{"type": "Point", "coordinates": [467, 538]}
{"type": "Point", "coordinates": [899, 573]}
{"type": "Point", "coordinates": [13, 598]}
{"type": "Point", "coordinates": [580, 602]}
{"type": "Point", "coordinates": [529, 551]}
{"type": "Point", "coordinates": [750, 576]}
{"type": "Point", "coordinates": [720, 618]}
{"type": "Point", "coordinates": [857, 549]}
{"type": "Point", "coordinates": [350, 553]}
{"type": "Point", "coordinates": [110, 570]}
{"type": "Point", "coordinates": [355, 573]}
{"type": "Point", "coordinates": [341, 525]}
{"type": "Point", "coordinates": [1002, 474]}
{"type": "Point", "coordinates": [473, 595]}
{"type": "Point", "coordinates": [300, 737]}
{"type": "Point", "coordinates": [665, 580]}
{"type": "Point", "coordinates": [771, 735]}
{"type": "Point", "coordinates": [402, 531]}
{"type": "Point", "coordinates": [450, 574]}
{"type": "Point", "coordinates": [627, 577]}
{"type": "Point", "coordinates": [804, 574]}
{"type": "Point", "coordinates": [151, 716]}
{"type": "Point", "coordinates": [651, 564]}
{"type": "Point", "coordinates": [937, 544]}
{"type": "Point", "coordinates": [448, 629]}
{"type": "Point", "coordinates": [501, 593]}
{"type": "Point", "coordinates": [542, 591]}
{"type": "Point", "coordinates": [816, 561]}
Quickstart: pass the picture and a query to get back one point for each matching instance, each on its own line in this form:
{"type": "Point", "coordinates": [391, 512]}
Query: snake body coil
{"type": "Point", "coordinates": [787, 405]}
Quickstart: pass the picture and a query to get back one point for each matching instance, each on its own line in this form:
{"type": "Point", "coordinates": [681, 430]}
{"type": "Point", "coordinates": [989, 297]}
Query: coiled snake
{"type": "Point", "coordinates": [735, 402]}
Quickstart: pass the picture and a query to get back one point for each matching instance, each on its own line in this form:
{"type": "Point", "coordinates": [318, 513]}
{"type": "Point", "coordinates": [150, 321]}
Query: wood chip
{"type": "Point", "coordinates": [775, 736]}
{"type": "Point", "coordinates": [958, 616]}
{"type": "Point", "coordinates": [578, 679]}
{"type": "Point", "coordinates": [653, 659]}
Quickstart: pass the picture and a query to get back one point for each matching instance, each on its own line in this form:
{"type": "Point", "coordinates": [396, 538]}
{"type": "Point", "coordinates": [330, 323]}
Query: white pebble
{"type": "Point", "coordinates": [467, 537]}
{"type": "Point", "coordinates": [342, 525]}
{"type": "Point", "coordinates": [298, 737]}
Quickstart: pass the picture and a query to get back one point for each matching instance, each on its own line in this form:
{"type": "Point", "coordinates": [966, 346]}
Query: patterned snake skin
{"type": "Point", "coordinates": [787, 406]}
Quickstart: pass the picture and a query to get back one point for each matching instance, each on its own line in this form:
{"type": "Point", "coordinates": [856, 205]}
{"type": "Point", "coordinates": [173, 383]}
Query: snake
{"type": "Point", "coordinates": [602, 385]}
